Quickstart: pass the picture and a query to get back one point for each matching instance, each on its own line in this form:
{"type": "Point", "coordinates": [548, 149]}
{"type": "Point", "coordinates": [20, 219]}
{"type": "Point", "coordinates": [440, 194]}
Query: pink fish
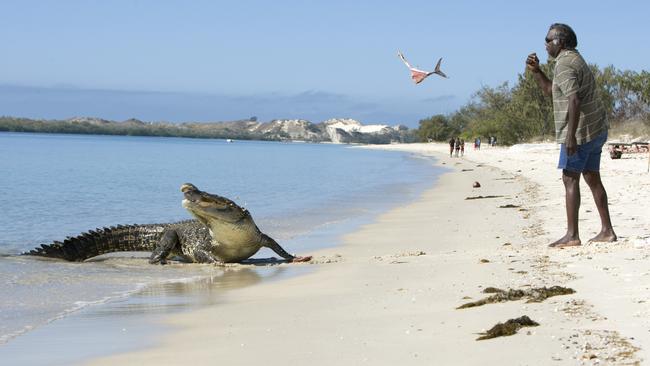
{"type": "Point", "coordinates": [418, 75]}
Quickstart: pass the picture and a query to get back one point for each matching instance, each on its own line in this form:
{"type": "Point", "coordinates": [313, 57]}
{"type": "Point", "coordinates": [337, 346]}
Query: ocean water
{"type": "Point", "coordinates": [53, 186]}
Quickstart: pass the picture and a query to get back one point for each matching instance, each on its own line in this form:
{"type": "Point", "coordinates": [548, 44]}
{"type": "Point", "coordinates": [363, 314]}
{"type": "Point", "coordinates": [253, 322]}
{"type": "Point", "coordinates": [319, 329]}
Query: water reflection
{"type": "Point", "coordinates": [205, 289]}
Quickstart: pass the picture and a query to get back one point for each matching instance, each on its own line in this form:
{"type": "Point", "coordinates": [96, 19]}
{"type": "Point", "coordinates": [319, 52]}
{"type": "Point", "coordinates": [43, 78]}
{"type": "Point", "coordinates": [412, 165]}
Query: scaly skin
{"type": "Point", "coordinates": [223, 232]}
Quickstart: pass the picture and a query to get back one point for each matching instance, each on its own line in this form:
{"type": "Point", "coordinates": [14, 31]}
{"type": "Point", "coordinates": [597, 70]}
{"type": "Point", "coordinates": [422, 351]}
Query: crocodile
{"type": "Point", "coordinates": [223, 232]}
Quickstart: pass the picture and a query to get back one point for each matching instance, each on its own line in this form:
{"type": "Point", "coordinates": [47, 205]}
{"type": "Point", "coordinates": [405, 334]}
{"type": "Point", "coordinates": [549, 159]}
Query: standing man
{"type": "Point", "coordinates": [451, 146]}
{"type": "Point", "coordinates": [580, 128]}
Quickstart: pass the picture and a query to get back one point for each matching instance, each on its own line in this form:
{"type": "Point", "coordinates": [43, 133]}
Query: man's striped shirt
{"type": "Point", "coordinates": [573, 75]}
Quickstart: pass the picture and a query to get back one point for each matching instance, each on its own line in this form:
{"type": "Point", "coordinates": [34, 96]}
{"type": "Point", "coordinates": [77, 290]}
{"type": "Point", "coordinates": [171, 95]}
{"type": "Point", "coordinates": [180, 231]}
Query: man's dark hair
{"type": "Point", "coordinates": [565, 34]}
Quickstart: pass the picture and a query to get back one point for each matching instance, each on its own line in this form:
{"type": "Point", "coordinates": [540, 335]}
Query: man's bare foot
{"type": "Point", "coordinates": [566, 242]}
{"type": "Point", "coordinates": [301, 259]}
{"type": "Point", "coordinates": [605, 236]}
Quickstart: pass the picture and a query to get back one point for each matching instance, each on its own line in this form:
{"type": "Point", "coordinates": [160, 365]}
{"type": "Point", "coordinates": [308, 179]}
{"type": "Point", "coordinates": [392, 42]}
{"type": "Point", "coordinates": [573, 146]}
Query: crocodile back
{"type": "Point", "coordinates": [103, 240]}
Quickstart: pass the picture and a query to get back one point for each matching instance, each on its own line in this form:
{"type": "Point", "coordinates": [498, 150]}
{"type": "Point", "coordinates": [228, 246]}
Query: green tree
{"type": "Point", "coordinates": [434, 128]}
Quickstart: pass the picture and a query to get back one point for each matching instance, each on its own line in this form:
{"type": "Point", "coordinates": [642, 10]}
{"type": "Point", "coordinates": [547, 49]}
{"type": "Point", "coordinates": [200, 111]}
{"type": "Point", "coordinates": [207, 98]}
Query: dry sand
{"type": "Point", "coordinates": [389, 294]}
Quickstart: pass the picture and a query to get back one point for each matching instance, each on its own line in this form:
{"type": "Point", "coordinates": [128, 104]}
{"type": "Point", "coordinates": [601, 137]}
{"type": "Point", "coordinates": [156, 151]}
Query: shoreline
{"type": "Point", "coordinates": [141, 315]}
{"type": "Point", "coordinates": [389, 293]}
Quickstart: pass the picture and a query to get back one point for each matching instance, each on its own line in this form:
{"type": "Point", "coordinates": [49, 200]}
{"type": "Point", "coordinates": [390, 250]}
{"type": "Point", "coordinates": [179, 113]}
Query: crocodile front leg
{"type": "Point", "coordinates": [167, 243]}
{"type": "Point", "coordinates": [203, 256]}
{"type": "Point", "coordinates": [268, 242]}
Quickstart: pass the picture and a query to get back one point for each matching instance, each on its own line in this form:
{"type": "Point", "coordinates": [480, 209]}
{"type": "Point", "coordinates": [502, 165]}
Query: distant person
{"type": "Point", "coordinates": [457, 146]}
{"type": "Point", "coordinates": [478, 139]}
{"type": "Point", "coordinates": [490, 141]}
{"type": "Point", "coordinates": [580, 128]}
{"type": "Point", "coordinates": [462, 147]}
{"type": "Point", "coordinates": [452, 142]}
{"type": "Point", "coordinates": [494, 141]}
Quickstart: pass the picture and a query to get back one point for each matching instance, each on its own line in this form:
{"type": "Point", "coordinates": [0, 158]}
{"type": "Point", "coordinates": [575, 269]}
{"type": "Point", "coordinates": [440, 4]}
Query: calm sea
{"type": "Point", "coordinates": [53, 186]}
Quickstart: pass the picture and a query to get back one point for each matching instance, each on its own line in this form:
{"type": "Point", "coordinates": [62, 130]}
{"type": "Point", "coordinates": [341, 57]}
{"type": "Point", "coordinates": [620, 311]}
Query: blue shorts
{"type": "Point", "coordinates": [586, 158]}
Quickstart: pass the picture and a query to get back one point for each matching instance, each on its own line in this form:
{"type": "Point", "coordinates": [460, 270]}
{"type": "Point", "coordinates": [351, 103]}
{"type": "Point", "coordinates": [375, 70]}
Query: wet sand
{"type": "Point", "coordinates": [135, 321]}
{"type": "Point", "coordinates": [389, 294]}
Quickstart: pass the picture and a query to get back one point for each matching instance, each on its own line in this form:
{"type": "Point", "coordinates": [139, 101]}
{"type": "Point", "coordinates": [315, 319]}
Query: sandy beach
{"type": "Point", "coordinates": [389, 295]}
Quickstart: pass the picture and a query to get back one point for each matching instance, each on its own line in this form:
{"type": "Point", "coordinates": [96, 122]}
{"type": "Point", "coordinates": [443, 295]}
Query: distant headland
{"type": "Point", "coordinates": [336, 130]}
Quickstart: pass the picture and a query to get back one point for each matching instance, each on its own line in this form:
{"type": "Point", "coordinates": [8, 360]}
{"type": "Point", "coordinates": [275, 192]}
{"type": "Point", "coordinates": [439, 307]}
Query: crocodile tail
{"type": "Point", "coordinates": [121, 238]}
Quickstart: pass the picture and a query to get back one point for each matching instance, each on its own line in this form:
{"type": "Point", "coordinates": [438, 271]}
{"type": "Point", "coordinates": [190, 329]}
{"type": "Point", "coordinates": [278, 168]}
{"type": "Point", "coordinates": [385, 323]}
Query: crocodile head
{"type": "Point", "coordinates": [211, 209]}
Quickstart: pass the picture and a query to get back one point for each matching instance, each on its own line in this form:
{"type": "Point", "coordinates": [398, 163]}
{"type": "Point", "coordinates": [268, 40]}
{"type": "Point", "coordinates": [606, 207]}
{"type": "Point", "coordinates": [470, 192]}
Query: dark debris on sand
{"type": "Point", "coordinates": [481, 197]}
{"type": "Point", "coordinates": [534, 295]}
{"type": "Point", "coordinates": [510, 327]}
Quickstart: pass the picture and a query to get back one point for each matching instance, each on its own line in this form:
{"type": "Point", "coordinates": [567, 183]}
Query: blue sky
{"type": "Point", "coordinates": [216, 61]}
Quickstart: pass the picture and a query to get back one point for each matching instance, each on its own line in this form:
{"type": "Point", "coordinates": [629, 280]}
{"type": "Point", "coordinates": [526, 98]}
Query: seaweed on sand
{"type": "Point", "coordinates": [509, 205]}
{"type": "Point", "coordinates": [534, 295]}
{"type": "Point", "coordinates": [481, 197]}
{"type": "Point", "coordinates": [510, 327]}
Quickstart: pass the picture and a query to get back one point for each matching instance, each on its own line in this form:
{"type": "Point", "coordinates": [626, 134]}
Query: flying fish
{"type": "Point", "coordinates": [418, 75]}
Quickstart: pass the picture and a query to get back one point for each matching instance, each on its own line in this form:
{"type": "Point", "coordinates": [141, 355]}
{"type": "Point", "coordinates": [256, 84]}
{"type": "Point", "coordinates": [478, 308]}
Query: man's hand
{"type": "Point", "coordinates": [571, 145]}
{"type": "Point", "coordinates": [532, 63]}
